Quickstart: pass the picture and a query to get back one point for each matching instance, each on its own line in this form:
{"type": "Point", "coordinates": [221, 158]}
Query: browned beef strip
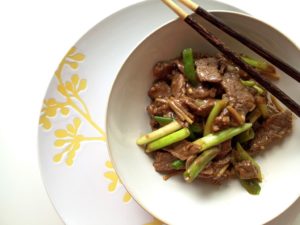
{"type": "Point", "coordinates": [226, 65]}
{"type": "Point", "coordinates": [158, 108]}
{"type": "Point", "coordinates": [159, 89]}
{"type": "Point", "coordinates": [207, 70]}
{"type": "Point", "coordinates": [237, 94]}
{"type": "Point", "coordinates": [162, 69]}
{"type": "Point", "coordinates": [163, 162]}
{"type": "Point", "coordinates": [246, 170]}
{"type": "Point", "coordinates": [213, 172]}
{"type": "Point", "coordinates": [200, 109]}
{"type": "Point", "coordinates": [183, 149]}
{"type": "Point", "coordinates": [275, 128]}
{"type": "Point", "coordinates": [178, 85]}
{"type": "Point", "coordinates": [225, 149]}
{"type": "Point", "coordinates": [213, 179]}
{"type": "Point", "coordinates": [200, 91]}
{"type": "Point", "coordinates": [239, 97]}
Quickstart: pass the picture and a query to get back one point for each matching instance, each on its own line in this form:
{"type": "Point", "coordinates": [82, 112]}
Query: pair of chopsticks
{"type": "Point", "coordinates": [274, 90]}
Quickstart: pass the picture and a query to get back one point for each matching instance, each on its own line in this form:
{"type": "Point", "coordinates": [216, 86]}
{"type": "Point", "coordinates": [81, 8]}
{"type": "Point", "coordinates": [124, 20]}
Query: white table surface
{"type": "Point", "coordinates": [35, 35]}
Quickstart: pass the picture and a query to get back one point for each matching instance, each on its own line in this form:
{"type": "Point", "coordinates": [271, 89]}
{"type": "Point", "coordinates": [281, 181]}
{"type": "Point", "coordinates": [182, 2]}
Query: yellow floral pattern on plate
{"type": "Point", "coordinates": [114, 181]}
{"type": "Point", "coordinates": [69, 139]}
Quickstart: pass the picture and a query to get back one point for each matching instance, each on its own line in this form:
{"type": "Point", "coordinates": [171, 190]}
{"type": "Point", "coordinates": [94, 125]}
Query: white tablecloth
{"type": "Point", "coordinates": [35, 35]}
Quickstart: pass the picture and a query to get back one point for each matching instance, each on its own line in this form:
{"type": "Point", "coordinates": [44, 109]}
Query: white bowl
{"type": "Point", "coordinates": [174, 201]}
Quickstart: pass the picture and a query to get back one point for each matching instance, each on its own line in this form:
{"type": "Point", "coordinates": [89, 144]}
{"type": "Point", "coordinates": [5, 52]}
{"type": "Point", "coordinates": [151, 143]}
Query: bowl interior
{"type": "Point", "coordinates": [127, 119]}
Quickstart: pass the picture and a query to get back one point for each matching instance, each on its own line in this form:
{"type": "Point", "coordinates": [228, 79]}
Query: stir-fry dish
{"type": "Point", "coordinates": [209, 119]}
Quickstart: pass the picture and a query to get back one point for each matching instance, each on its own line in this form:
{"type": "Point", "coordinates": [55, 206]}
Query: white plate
{"type": "Point", "coordinates": [81, 182]}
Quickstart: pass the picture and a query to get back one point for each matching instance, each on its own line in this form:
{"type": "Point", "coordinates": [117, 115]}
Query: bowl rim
{"type": "Point", "coordinates": [108, 142]}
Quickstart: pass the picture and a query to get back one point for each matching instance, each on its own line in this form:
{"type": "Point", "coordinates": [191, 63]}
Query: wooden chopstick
{"type": "Point", "coordinates": [244, 40]}
{"type": "Point", "coordinates": [285, 99]}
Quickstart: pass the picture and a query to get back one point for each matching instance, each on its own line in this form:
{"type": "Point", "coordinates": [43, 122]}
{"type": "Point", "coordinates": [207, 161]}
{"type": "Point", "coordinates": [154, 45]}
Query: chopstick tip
{"type": "Point", "coordinates": [172, 5]}
{"type": "Point", "coordinates": [190, 4]}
